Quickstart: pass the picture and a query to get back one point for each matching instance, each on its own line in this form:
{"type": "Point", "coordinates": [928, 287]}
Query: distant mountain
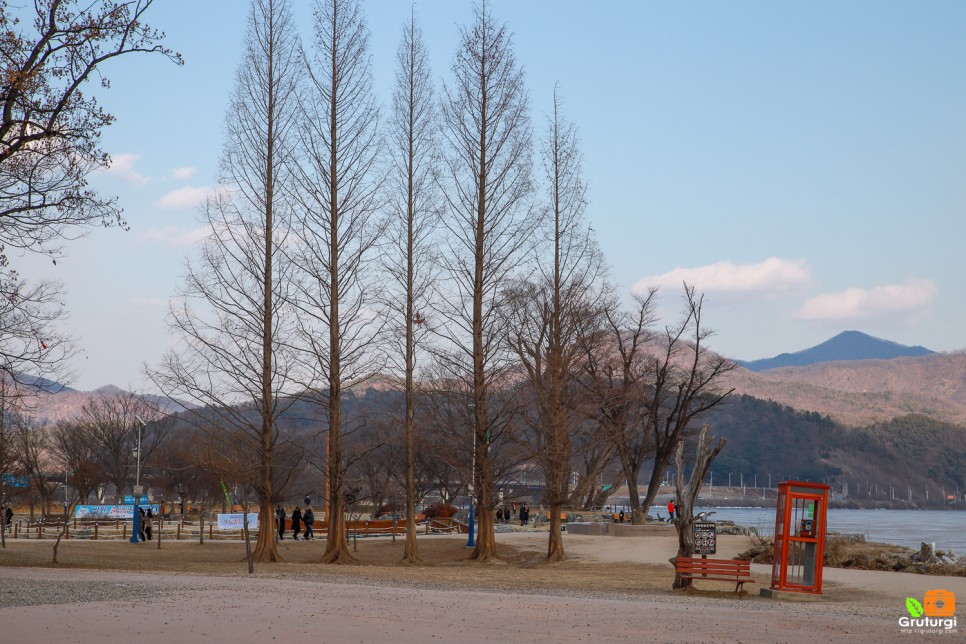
{"type": "Point", "coordinates": [848, 345]}
{"type": "Point", "coordinates": [43, 384]}
{"type": "Point", "coordinates": [52, 401]}
{"type": "Point", "coordinates": [861, 392]}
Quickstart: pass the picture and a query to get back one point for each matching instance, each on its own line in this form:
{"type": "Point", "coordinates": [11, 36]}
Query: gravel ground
{"type": "Point", "coordinates": [307, 602]}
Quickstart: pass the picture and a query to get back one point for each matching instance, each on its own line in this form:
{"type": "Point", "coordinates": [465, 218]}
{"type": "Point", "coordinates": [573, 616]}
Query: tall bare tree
{"type": "Point", "coordinates": [487, 188]}
{"type": "Point", "coordinates": [338, 186]}
{"type": "Point", "coordinates": [546, 314]}
{"type": "Point", "coordinates": [236, 342]}
{"type": "Point", "coordinates": [414, 199]}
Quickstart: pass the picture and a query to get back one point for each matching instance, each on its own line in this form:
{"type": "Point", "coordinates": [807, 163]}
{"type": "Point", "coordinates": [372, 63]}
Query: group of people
{"type": "Point", "coordinates": [299, 519]}
{"type": "Point", "coordinates": [505, 514]}
{"type": "Point", "coordinates": [145, 524]}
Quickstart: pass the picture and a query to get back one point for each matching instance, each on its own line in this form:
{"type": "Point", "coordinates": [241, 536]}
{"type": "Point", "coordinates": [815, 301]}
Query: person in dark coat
{"type": "Point", "coordinates": [308, 519]}
{"type": "Point", "coordinates": [149, 523]}
{"type": "Point", "coordinates": [280, 519]}
{"type": "Point", "coordinates": [296, 523]}
{"type": "Point", "coordinates": [141, 524]}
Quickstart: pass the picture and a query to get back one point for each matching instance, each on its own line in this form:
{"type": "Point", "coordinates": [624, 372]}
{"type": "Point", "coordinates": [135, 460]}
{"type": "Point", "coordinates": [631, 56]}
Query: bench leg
{"type": "Point", "coordinates": [740, 589]}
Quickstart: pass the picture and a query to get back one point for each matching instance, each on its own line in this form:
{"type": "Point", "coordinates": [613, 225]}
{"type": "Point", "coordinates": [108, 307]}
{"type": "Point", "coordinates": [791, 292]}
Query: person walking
{"type": "Point", "coordinates": [149, 523]}
{"type": "Point", "coordinates": [670, 511]}
{"type": "Point", "coordinates": [308, 519]}
{"type": "Point", "coordinates": [296, 523]}
{"type": "Point", "coordinates": [141, 524]}
{"type": "Point", "coordinates": [280, 519]}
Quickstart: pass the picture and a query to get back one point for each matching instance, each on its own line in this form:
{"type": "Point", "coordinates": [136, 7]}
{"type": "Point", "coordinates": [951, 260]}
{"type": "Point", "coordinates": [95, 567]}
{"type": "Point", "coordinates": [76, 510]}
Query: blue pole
{"type": "Point", "coordinates": [470, 543]}
{"type": "Point", "coordinates": [136, 524]}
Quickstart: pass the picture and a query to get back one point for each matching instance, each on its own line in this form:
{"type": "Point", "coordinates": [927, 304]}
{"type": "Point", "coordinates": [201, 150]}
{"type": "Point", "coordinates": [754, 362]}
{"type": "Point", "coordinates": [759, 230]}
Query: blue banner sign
{"type": "Point", "coordinates": [111, 511]}
{"type": "Point", "coordinates": [15, 481]}
{"type": "Point", "coordinates": [129, 500]}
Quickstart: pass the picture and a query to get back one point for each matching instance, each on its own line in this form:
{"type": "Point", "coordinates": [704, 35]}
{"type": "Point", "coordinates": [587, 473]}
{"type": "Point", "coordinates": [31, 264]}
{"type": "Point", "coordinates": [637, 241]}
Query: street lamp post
{"type": "Point", "coordinates": [136, 523]}
{"type": "Point", "coordinates": [470, 542]}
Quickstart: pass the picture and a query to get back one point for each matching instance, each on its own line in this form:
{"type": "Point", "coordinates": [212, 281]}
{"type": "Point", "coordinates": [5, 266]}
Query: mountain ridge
{"type": "Point", "coordinates": [847, 346]}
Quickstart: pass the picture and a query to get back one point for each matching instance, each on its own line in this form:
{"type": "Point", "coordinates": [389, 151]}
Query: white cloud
{"type": "Point", "coordinates": [174, 236]}
{"type": "Point", "coordinates": [183, 174]}
{"type": "Point", "coordinates": [859, 304]}
{"type": "Point", "coordinates": [770, 276]}
{"type": "Point", "coordinates": [187, 197]}
{"type": "Point", "coordinates": [122, 167]}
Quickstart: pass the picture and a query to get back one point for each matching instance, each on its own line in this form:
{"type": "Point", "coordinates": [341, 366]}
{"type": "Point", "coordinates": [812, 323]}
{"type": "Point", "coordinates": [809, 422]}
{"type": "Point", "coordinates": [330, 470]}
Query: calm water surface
{"type": "Point", "coordinates": [947, 529]}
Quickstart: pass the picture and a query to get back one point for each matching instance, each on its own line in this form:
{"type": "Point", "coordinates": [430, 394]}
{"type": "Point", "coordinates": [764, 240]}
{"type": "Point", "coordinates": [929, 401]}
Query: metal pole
{"type": "Point", "coordinates": [470, 542]}
{"type": "Point", "coordinates": [136, 523]}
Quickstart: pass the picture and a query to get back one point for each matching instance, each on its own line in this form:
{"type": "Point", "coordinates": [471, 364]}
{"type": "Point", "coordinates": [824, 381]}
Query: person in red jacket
{"type": "Point", "coordinates": [670, 510]}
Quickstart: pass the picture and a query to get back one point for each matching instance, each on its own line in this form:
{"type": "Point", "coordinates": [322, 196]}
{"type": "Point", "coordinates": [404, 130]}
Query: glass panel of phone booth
{"type": "Point", "coordinates": [777, 558]}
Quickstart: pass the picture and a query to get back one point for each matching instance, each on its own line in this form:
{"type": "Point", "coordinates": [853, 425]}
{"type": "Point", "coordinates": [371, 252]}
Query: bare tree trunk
{"type": "Point", "coordinates": [555, 547]}
{"type": "Point", "coordinates": [687, 493]}
{"type": "Point", "coordinates": [57, 543]}
{"type": "Point", "coordinates": [262, 527]}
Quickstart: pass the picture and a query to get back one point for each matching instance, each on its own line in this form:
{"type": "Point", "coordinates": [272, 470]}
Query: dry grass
{"type": "Point", "coordinates": [447, 564]}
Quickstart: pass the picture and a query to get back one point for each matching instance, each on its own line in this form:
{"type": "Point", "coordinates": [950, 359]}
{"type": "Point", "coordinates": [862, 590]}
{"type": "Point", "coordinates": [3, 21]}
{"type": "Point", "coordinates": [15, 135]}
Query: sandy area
{"type": "Point", "coordinates": [309, 602]}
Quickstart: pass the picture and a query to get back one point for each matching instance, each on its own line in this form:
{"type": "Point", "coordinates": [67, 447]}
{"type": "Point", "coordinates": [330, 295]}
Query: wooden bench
{"type": "Point", "coordinates": [694, 569]}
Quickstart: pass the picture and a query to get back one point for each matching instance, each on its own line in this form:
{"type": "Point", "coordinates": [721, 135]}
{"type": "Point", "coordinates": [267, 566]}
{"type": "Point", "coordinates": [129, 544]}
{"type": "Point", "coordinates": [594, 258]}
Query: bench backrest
{"type": "Point", "coordinates": [713, 566]}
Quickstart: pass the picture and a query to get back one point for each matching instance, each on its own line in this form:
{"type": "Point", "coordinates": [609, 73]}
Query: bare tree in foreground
{"type": "Point", "coordinates": [50, 129]}
{"type": "Point", "coordinates": [235, 353]}
{"type": "Point", "coordinates": [50, 143]}
{"type": "Point", "coordinates": [487, 184]}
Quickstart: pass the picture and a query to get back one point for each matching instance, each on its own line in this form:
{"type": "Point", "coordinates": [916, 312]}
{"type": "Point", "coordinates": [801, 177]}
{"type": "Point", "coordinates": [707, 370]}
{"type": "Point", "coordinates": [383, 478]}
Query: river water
{"type": "Point", "coordinates": [947, 529]}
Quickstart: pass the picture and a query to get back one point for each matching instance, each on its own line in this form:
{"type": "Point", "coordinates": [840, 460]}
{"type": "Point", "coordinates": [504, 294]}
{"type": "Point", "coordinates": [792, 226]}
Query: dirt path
{"type": "Point", "coordinates": [613, 590]}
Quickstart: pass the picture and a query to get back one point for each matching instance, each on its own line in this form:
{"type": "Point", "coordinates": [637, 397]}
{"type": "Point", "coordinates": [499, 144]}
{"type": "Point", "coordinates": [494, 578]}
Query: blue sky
{"type": "Point", "coordinates": [802, 163]}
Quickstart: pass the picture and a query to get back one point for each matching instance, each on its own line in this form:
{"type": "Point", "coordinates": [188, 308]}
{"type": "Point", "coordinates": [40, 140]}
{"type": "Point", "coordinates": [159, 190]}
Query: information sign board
{"type": "Point", "coordinates": [705, 538]}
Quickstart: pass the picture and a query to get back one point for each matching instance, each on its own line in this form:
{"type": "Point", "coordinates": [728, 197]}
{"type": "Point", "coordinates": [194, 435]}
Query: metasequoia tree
{"type": "Point", "coordinates": [486, 188]}
{"type": "Point", "coordinates": [414, 200]}
{"type": "Point", "coordinates": [546, 313]}
{"type": "Point", "coordinates": [235, 353]}
{"type": "Point", "coordinates": [337, 189]}
{"type": "Point", "coordinates": [50, 138]}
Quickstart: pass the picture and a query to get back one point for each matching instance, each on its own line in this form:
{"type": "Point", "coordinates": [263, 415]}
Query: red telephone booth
{"type": "Point", "coordinates": [799, 537]}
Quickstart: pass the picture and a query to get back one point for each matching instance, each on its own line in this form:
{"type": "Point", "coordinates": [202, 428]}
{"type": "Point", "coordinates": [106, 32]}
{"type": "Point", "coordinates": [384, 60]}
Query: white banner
{"type": "Point", "coordinates": [233, 521]}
